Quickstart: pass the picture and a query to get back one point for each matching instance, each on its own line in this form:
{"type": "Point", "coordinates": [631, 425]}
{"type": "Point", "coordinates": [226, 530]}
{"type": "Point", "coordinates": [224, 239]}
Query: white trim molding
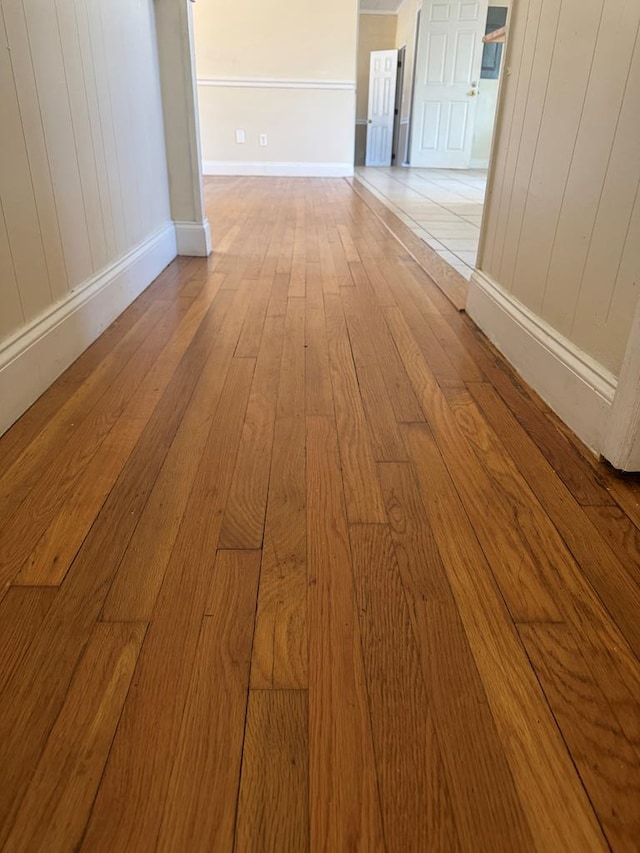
{"type": "Point", "coordinates": [34, 357]}
{"type": "Point", "coordinates": [377, 12]}
{"type": "Point", "coordinates": [622, 444]}
{"type": "Point", "coordinates": [576, 387]}
{"type": "Point", "coordinates": [193, 238]}
{"type": "Point", "coordinates": [361, 121]}
{"type": "Point", "coordinates": [278, 170]}
{"type": "Point", "coordinates": [274, 83]}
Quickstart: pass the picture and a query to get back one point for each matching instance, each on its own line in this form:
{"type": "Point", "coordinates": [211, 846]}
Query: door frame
{"type": "Point", "coordinates": [622, 439]}
{"type": "Point", "coordinates": [395, 144]}
{"type": "Point", "coordinates": [407, 153]}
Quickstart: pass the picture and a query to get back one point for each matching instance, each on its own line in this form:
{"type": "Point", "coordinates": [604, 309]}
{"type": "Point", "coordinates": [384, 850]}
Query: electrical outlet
{"type": "Point", "coordinates": [263, 139]}
{"type": "Point", "coordinates": [240, 137]}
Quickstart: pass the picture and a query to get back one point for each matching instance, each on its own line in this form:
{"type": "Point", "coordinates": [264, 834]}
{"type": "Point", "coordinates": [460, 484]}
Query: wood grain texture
{"type": "Point", "coordinates": [617, 584]}
{"type": "Point", "coordinates": [22, 612]}
{"type": "Point", "coordinates": [377, 347]}
{"type": "Point", "coordinates": [273, 805]}
{"type": "Point", "coordinates": [41, 415]}
{"type": "Point", "coordinates": [143, 751]}
{"type": "Point", "coordinates": [141, 571]}
{"type": "Point", "coordinates": [607, 762]}
{"type": "Point", "coordinates": [508, 551]}
{"type": "Point", "coordinates": [280, 641]}
{"type": "Point", "coordinates": [363, 497]}
{"type": "Point", "coordinates": [243, 523]}
{"type": "Point", "coordinates": [357, 678]}
{"type": "Point", "coordinates": [343, 791]}
{"type": "Point", "coordinates": [620, 532]}
{"type": "Point", "coordinates": [57, 803]}
{"type": "Point", "coordinates": [50, 559]}
{"type": "Point", "coordinates": [542, 769]}
{"type": "Point", "coordinates": [25, 526]}
{"type": "Point", "coordinates": [406, 745]}
{"type": "Point", "coordinates": [25, 470]}
{"type": "Point", "coordinates": [39, 686]}
{"type": "Point", "coordinates": [586, 484]}
{"type": "Point", "coordinates": [471, 750]}
{"type": "Point", "coordinates": [200, 801]}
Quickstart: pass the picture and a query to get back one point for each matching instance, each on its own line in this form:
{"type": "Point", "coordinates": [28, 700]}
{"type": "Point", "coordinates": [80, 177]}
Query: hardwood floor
{"type": "Point", "coordinates": [291, 560]}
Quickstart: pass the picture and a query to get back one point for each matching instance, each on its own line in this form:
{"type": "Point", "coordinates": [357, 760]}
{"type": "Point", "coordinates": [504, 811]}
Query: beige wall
{"type": "Point", "coordinates": [75, 192]}
{"type": "Point", "coordinates": [376, 32]}
{"type": "Point", "coordinates": [562, 217]}
{"type": "Point", "coordinates": [83, 181]}
{"type": "Point", "coordinates": [282, 69]}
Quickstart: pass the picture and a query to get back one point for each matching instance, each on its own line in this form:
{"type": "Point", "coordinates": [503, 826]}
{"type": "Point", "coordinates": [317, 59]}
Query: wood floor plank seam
{"type": "Point", "coordinates": [249, 691]}
{"type": "Point", "coordinates": [159, 433]}
{"type": "Point", "coordinates": [127, 592]}
{"type": "Point", "coordinates": [335, 578]}
{"type": "Point", "coordinates": [161, 373]}
{"type": "Point", "coordinates": [590, 794]}
{"type": "Point", "coordinates": [79, 371]}
{"type": "Point", "coordinates": [597, 564]}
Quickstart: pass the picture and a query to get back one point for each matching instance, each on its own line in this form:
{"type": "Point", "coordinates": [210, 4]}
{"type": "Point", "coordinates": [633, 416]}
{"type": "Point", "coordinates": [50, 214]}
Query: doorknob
{"type": "Point", "coordinates": [472, 93]}
{"type": "Point", "coordinates": [369, 120]}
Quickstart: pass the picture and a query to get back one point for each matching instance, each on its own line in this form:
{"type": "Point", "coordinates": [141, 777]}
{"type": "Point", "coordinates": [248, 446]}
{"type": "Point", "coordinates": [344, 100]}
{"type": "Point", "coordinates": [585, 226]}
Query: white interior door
{"type": "Point", "coordinates": [446, 82]}
{"type": "Point", "coordinates": [383, 68]}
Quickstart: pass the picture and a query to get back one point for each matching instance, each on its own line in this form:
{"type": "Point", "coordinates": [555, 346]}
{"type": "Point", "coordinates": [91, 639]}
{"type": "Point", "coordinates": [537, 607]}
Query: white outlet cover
{"type": "Point", "coordinates": [263, 139]}
{"type": "Point", "coordinates": [240, 136]}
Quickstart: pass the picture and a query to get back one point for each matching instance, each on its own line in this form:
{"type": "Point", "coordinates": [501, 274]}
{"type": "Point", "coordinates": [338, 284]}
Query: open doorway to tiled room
{"type": "Point", "coordinates": [441, 206]}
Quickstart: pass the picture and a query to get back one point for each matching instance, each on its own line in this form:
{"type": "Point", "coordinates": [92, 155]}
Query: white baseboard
{"type": "Point", "coordinates": [573, 384]}
{"type": "Point", "coordinates": [194, 238]}
{"type": "Point", "coordinates": [278, 170]}
{"type": "Point", "coordinates": [34, 358]}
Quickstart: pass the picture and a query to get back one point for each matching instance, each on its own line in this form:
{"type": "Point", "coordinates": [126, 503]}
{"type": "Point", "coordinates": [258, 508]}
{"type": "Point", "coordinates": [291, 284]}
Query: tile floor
{"type": "Point", "coordinates": [442, 206]}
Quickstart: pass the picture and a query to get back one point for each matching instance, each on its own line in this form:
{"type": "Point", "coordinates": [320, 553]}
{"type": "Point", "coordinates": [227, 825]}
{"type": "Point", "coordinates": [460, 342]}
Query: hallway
{"type": "Point", "coordinates": [291, 560]}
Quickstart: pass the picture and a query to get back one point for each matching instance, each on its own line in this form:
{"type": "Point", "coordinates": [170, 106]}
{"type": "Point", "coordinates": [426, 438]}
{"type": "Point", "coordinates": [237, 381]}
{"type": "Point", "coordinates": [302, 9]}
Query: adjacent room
{"type": "Point", "coordinates": [427, 94]}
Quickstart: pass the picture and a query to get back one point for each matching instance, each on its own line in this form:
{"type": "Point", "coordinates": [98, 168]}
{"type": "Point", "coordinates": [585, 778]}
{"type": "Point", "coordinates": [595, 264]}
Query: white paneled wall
{"type": "Point", "coordinates": [562, 222]}
{"type": "Point", "coordinates": [82, 162]}
{"type": "Point", "coordinates": [559, 261]}
{"type": "Point", "coordinates": [83, 177]}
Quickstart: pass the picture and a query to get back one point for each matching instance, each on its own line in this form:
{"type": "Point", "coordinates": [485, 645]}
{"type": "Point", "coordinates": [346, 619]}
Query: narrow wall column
{"type": "Point", "coordinates": [181, 127]}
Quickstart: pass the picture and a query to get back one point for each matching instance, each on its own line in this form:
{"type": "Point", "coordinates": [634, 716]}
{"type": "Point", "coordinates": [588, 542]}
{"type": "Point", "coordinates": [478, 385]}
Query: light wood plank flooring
{"type": "Point", "coordinates": [291, 560]}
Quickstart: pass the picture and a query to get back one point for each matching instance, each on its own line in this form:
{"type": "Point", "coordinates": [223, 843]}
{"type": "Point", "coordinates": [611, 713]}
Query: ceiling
{"type": "Point", "coordinates": [380, 5]}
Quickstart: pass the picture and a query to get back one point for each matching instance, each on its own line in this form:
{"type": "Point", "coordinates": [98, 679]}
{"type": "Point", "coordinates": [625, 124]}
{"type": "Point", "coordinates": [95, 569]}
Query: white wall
{"type": "Point", "coordinates": [282, 69]}
{"type": "Point", "coordinates": [485, 119]}
{"type": "Point", "coordinates": [560, 244]}
{"type": "Point", "coordinates": [85, 222]}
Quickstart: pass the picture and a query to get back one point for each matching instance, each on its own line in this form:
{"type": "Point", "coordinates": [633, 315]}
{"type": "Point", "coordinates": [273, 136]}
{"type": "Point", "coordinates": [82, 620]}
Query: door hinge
{"type": "Point", "coordinates": [395, 112]}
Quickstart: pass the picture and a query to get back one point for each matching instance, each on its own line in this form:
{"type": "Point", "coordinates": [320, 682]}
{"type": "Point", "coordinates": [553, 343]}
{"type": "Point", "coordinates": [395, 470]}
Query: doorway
{"type": "Point", "coordinates": [396, 157]}
{"type": "Point", "coordinates": [386, 78]}
{"type": "Point", "coordinates": [443, 206]}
